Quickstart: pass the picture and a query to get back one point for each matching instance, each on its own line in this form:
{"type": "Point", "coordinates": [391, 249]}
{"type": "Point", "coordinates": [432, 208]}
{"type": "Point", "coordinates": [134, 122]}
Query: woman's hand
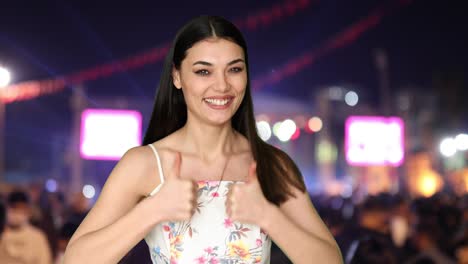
{"type": "Point", "coordinates": [246, 202]}
{"type": "Point", "coordinates": [177, 198]}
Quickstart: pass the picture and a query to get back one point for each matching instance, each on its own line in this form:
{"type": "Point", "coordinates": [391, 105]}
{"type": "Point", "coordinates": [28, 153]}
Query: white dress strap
{"type": "Point", "coordinates": [161, 175]}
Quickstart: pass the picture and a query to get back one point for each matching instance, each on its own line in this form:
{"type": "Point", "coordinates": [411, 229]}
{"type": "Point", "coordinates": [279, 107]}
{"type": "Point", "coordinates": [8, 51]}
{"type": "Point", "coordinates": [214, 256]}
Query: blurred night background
{"type": "Point", "coordinates": [399, 196]}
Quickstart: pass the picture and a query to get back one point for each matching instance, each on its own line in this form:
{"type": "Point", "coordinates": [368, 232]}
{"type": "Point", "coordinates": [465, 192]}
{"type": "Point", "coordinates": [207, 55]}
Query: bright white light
{"type": "Point", "coordinates": [51, 185]}
{"type": "Point", "coordinates": [448, 147]}
{"type": "Point", "coordinates": [89, 191]}
{"type": "Point", "coordinates": [5, 77]}
{"type": "Point", "coordinates": [286, 130]}
{"type": "Point", "coordinates": [351, 98]}
{"type": "Point", "coordinates": [264, 130]}
{"type": "Point", "coordinates": [461, 141]}
{"type": "Point", "coordinates": [106, 134]}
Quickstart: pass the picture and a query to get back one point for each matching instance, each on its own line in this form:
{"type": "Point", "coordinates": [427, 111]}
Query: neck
{"type": "Point", "coordinates": [208, 142]}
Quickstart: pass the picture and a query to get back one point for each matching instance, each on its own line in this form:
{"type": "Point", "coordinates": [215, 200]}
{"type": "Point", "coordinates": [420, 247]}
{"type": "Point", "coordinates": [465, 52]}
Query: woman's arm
{"type": "Point", "coordinates": [295, 226]}
{"type": "Point", "coordinates": [117, 221]}
{"type": "Point", "coordinates": [298, 230]}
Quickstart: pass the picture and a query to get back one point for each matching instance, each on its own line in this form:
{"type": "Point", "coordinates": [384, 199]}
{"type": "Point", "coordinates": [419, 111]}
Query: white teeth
{"type": "Point", "coordinates": [217, 101]}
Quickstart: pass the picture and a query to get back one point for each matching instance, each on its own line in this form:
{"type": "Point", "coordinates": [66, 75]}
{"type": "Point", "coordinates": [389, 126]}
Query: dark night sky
{"type": "Point", "coordinates": [54, 38]}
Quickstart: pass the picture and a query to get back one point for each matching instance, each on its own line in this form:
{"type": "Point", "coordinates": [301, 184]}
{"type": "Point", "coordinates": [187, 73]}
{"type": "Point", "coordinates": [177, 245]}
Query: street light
{"type": "Point", "coordinates": [5, 78]}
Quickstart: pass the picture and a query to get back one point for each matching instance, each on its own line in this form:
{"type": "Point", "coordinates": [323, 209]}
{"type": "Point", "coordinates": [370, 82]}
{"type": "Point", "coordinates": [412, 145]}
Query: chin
{"type": "Point", "coordinates": [219, 122]}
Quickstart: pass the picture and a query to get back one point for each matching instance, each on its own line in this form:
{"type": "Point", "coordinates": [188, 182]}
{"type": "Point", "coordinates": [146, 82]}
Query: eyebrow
{"type": "Point", "coordinates": [209, 64]}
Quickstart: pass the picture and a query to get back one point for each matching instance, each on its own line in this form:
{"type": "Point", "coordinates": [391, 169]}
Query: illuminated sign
{"type": "Point", "coordinates": [374, 140]}
{"type": "Point", "coordinates": [107, 134]}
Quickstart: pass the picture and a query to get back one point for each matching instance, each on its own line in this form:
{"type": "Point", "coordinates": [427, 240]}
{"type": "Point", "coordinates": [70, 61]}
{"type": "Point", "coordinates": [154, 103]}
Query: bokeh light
{"type": "Point", "coordinates": [315, 124]}
{"type": "Point", "coordinates": [264, 130]}
{"type": "Point", "coordinates": [351, 98]}
{"type": "Point", "coordinates": [296, 134]}
{"type": "Point", "coordinates": [5, 77]}
{"type": "Point", "coordinates": [51, 185]}
{"type": "Point", "coordinates": [428, 184]}
{"type": "Point", "coordinates": [89, 191]}
{"type": "Point", "coordinates": [448, 147]}
{"type": "Point", "coordinates": [286, 130]}
{"type": "Point", "coordinates": [461, 142]}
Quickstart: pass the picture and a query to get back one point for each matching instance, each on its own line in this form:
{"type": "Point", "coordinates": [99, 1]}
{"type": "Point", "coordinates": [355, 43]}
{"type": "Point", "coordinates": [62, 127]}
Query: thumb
{"type": "Point", "coordinates": [175, 172]}
{"type": "Point", "coordinates": [252, 177]}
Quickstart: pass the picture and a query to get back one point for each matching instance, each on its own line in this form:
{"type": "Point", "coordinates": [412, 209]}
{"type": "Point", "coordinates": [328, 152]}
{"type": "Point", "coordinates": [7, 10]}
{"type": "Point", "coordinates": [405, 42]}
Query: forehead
{"type": "Point", "coordinates": [214, 50]}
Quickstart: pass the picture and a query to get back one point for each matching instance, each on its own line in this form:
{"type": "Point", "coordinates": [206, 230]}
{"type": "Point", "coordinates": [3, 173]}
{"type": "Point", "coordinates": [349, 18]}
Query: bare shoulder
{"type": "Point", "coordinates": [130, 180]}
{"type": "Point", "coordinates": [166, 148]}
{"type": "Point", "coordinates": [142, 159]}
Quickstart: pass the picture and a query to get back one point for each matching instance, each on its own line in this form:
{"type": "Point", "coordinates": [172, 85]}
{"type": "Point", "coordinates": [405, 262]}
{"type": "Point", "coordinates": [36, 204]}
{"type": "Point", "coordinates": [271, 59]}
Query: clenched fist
{"type": "Point", "coordinates": [177, 198]}
{"type": "Point", "coordinates": [246, 202]}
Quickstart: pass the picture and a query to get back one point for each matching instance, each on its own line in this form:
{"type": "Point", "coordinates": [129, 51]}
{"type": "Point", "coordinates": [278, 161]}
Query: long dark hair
{"type": "Point", "coordinates": [275, 170]}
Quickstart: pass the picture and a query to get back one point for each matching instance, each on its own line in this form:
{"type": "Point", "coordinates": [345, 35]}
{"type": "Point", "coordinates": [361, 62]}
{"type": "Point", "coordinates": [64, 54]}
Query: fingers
{"type": "Point", "coordinates": [194, 187]}
{"type": "Point", "coordinates": [227, 202]}
{"type": "Point", "coordinates": [231, 201]}
{"type": "Point", "coordinates": [195, 196]}
{"type": "Point", "coordinates": [252, 172]}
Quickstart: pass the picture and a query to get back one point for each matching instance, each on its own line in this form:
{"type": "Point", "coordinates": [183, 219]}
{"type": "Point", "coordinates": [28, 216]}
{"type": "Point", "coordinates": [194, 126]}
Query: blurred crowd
{"type": "Point", "coordinates": [36, 225]}
{"type": "Point", "coordinates": [387, 228]}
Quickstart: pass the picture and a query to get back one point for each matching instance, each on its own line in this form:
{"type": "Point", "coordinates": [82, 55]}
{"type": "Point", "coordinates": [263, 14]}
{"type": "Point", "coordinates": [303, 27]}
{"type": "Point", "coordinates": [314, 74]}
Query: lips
{"type": "Point", "coordinates": [218, 102]}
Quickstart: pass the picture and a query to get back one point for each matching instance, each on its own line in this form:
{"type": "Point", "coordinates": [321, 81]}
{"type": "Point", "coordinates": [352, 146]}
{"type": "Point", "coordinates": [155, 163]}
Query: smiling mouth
{"type": "Point", "coordinates": [218, 102]}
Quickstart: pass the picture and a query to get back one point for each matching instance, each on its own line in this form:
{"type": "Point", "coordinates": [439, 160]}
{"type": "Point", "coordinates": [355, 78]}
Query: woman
{"type": "Point", "coordinates": [221, 194]}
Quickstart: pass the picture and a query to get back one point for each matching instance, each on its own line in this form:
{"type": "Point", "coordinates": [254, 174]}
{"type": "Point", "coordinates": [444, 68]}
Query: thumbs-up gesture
{"type": "Point", "coordinates": [246, 202]}
{"type": "Point", "coordinates": [177, 198]}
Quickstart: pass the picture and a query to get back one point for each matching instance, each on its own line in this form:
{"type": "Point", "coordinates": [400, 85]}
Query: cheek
{"type": "Point", "coordinates": [193, 87]}
{"type": "Point", "coordinates": [240, 83]}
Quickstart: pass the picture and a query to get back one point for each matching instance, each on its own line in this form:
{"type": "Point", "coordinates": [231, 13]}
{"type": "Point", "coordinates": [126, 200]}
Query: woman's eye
{"type": "Point", "coordinates": [202, 72]}
{"type": "Point", "coordinates": [236, 69]}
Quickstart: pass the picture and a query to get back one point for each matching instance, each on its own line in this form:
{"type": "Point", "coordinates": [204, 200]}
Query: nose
{"type": "Point", "coordinates": [222, 83]}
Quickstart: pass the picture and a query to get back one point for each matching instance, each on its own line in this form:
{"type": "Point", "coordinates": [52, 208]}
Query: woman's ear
{"type": "Point", "coordinates": [176, 78]}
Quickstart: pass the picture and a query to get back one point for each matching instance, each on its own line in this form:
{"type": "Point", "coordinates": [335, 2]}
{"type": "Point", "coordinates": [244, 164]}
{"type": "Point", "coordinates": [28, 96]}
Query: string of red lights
{"type": "Point", "coordinates": [339, 40]}
{"type": "Point", "coordinates": [32, 89]}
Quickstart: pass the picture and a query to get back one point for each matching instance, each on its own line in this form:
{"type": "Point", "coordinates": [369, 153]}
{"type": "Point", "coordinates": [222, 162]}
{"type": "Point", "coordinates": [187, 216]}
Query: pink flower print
{"type": "Point", "coordinates": [209, 250]}
{"type": "Point", "coordinates": [215, 194]}
{"type": "Point", "coordinates": [227, 222]}
{"type": "Point", "coordinates": [213, 260]}
{"type": "Point", "coordinates": [202, 184]}
{"type": "Point", "coordinates": [259, 242]}
{"type": "Point", "coordinates": [201, 260]}
{"type": "Point", "coordinates": [166, 228]}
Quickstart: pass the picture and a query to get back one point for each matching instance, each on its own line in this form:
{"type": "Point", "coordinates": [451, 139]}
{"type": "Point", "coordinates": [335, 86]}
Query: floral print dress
{"type": "Point", "coordinates": [209, 236]}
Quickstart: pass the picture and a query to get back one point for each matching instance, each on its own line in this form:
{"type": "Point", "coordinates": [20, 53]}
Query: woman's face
{"type": "Point", "coordinates": [213, 78]}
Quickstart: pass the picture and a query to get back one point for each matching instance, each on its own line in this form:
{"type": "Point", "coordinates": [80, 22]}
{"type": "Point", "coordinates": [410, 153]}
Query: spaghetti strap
{"type": "Point", "coordinates": [161, 175]}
